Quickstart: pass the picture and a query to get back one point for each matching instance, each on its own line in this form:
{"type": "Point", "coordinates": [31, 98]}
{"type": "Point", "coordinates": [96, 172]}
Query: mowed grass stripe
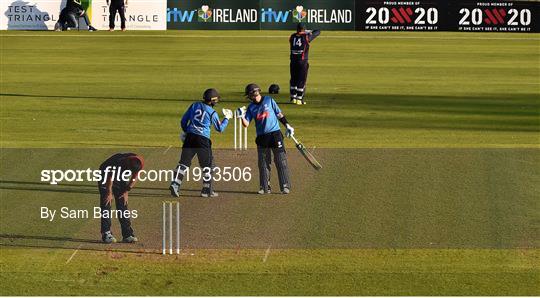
{"type": "Point", "coordinates": [298, 272]}
{"type": "Point", "coordinates": [361, 93]}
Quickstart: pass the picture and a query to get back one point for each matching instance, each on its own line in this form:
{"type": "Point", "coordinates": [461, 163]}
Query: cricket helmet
{"type": "Point", "coordinates": [250, 88]}
{"type": "Point", "coordinates": [273, 89]}
{"type": "Point", "coordinates": [211, 96]}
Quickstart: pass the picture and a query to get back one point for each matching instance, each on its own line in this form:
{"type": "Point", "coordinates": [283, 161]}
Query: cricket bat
{"type": "Point", "coordinates": [307, 155]}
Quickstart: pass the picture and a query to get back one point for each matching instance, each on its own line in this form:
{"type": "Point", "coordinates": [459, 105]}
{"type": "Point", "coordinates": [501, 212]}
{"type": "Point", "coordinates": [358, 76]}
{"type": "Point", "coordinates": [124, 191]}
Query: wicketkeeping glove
{"type": "Point", "coordinates": [241, 112]}
{"type": "Point", "coordinates": [290, 131]}
{"type": "Point", "coordinates": [227, 113]}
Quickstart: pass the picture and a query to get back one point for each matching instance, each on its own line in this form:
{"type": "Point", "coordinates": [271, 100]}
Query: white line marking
{"type": "Point", "coordinates": [280, 37]}
{"type": "Point", "coordinates": [266, 254]}
{"type": "Point", "coordinates": [73, 254]}
{"type": "Point", "coordinates": [170, 146]}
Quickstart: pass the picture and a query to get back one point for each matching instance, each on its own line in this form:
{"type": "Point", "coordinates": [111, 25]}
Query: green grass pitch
{"type": "Point", "coordinates": [429, 143]}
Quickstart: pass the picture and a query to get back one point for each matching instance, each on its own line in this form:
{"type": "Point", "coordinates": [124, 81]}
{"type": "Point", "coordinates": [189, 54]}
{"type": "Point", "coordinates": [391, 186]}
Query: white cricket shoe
{"type": "Point", "coordinates": [108, 238]}
{"type": "Point", "coordinates": [206, 194]}
{"type": "Point", "coordinates": [130, 239]}
{"type": "Point", "coordinates": [175, 189]}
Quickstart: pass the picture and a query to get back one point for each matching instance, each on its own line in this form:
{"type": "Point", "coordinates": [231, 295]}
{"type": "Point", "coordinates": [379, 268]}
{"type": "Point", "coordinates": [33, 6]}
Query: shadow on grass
{"type": "Point", "coordinates": [87, 189]}
{"type": "Point", "coordinates": [107, 97]}
{"type": "Point", "coordinates": [9, 240]}
{"type": "Point", "coordinates": [478, 112]}
{"type": "Point", "coordinates": [51, 238]}
{"type": "Point", "coordinates": [486, 112]}
{"type": "Point", "coordinates": [106, 248]}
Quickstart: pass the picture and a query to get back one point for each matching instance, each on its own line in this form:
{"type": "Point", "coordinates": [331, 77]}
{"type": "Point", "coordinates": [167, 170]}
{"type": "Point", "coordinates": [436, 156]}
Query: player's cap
{"type": "Point", "coordinates": [211, 95]}
{"type": "Point", "coordinates": [300, 27]}
{"type": "Point", "coordinates": [250, 88]}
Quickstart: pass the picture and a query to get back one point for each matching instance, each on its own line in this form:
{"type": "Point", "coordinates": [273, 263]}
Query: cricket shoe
{"type": "Point", "coordinates": [294, 101]}
{"type": "Point", "coordinates": [108, 238]}
{"type": "Point", "coordinates": [208, 194]}
{"type": "Point", "coordinates": [262, 192]}
{"type": "Point", "coordinates": [90, 28]}
{"type": "Point", "coordinates": [175, 189]}
{"type": "Point", "coordinates": [285, 191]}
{"type": "Point", "coordinates": [130, 239]}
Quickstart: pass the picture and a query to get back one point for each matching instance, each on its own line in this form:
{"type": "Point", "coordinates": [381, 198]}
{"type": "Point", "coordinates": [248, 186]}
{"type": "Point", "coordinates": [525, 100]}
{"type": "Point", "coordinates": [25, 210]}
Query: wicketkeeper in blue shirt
{"type": "Point", "coordinates": [267, 115]}
{"type": "Point", "coordinates": [196, 123]}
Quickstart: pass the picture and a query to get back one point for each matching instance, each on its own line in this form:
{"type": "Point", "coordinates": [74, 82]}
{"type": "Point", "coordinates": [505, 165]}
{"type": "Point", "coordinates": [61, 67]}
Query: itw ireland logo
{"type": "Point", "coordinates": [299, 14]}
{"type": "Point", "coordinates": [204, 14]}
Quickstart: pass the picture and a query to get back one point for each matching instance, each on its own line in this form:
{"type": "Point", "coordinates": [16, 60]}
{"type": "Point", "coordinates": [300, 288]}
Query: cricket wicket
{"type": "Point", "coordinates": [240, 143]}
{"type": "Point", "coordinates": [168, 210]}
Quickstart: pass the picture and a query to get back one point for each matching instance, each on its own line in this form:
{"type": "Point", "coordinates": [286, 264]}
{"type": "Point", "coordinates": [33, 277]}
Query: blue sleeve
{"type": "Point", "coordinates": [248, 115]}
{"type": "Point", "coordinates": [185, 119]}
{"type": "Point", "coordinates": [276, 108]}
{"type": "Point", "coordinates": [218, 125]}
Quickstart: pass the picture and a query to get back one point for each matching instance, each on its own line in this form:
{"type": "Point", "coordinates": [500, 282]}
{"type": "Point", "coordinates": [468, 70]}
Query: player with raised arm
{"type": "Point", "coordinates": [196, 123]}
{"type": "Point", "coordinates": [299, 66]}
{"type": "Point", "coordinates": [266, 114]}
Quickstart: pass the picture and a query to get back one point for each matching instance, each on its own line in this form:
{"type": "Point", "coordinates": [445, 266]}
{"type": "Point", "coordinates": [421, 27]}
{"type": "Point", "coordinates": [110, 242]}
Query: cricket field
{"type": "Point", "coordinates": [430, 146]}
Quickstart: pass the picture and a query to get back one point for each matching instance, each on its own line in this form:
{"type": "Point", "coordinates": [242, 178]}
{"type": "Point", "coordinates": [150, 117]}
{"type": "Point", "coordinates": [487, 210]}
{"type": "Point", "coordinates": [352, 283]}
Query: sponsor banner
{"type": "Point", "coordinates": [377, 15]}
{"type": "Point", "coordinates": [140, 15]}
{"type": "Point", "coordinates": [194, 14]}
{"type": "Point", "coordinates": [363, 15]}
{"type": "Point", "coordinates": [495, 16]}
{"type": "Point", "coordinates": [438, 15]}
{"type": "Point", "coordinates": [321, 14]}
{"type": "Point", "coordinates": [33, 15]}
{"type": "Point", "coordinates": [264, 14]}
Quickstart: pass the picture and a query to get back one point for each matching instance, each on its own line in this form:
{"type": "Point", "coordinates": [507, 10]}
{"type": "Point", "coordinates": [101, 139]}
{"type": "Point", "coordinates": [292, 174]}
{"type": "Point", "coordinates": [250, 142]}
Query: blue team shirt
{"type": "Point", "coordinates": [265, 115]}
{"type": "Point", "coordinates": [199, 117]}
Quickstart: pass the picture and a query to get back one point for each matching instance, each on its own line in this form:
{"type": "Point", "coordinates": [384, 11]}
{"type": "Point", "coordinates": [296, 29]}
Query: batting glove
{"type": "Point", "coordinates": [290, 131]}
{"type": "Point", "coordinates": [241, 112]}
{"type": "Point", "coordinates": [227, 113]}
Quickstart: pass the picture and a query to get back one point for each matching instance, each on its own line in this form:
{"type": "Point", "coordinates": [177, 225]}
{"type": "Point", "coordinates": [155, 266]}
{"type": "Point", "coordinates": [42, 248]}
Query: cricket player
{"type": "Point", "coordinates": [113, 185]}
{"type": "Point", "coordinates": [70, 13]}
{"type": "Point", "coordinates": [196, 123]}
{"type": "Point", "coordinates": [266, 114]}
{"type": "Point", "coordinates": [114, 7]}
{"type": "Point", "coordinates": [299, 66]}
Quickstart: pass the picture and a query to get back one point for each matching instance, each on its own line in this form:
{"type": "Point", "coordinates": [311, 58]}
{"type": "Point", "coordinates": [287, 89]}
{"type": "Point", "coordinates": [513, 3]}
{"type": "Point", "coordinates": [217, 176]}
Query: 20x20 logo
{"type": "Point", "coordinates": [402, 15]}
{"type": "Point", "coordinates": [495, 16]}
